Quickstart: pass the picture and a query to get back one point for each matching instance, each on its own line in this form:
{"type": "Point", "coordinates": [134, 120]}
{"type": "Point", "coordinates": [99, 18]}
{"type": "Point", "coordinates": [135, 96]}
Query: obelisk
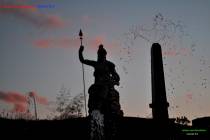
{"type": "Point", "coordinates": [159, 101]}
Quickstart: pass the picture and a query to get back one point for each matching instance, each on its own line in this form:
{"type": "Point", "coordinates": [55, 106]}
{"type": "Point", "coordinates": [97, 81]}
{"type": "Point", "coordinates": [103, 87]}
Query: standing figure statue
{"type": "Point", "coordinates": [104, 107]}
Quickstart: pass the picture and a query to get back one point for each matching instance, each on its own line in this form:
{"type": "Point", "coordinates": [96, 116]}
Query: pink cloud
{"type": "Point", "coordinates": [34, 17]}
{"type": "Point", "coordinates": [19, 101]}
{"type": "Point", "coordinates": [177, 51]}
{"type": "Point", "coordinates": [67, 42]}
{"type": "Point", "coordinates": [12, 97]}
{"type": "Point", "coordinates": [189, 96]}
{"type": "Point", "coordinates": [39, 99]}
{"type": "Point", "coordinates": [170, 53]}
{"type": "Point", "coordinates": [63, 42]}
{"type": "Point", "coordinates": [96, 41]}
{"type": "Point", "coordinates": [42, 43]}
{"type": "Point", "coordinates": [50, 21]}
{"type": "Point", "coordinates": [19, 107]}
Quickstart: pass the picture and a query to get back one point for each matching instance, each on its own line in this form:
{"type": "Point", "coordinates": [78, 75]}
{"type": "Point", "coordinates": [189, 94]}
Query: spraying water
{"type": "Point", "coordinates": [186, 65]}
{"type": "Point", "coordinates": [97, 125]}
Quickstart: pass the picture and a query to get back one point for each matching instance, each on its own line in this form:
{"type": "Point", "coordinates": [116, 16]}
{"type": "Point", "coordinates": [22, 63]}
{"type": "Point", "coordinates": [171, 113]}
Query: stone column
{"type": "Point", "coordinates": [159, 101]}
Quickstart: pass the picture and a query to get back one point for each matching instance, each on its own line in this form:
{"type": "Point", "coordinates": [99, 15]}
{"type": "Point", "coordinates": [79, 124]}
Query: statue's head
{"type": "Point", "coordinates": [101, 53]}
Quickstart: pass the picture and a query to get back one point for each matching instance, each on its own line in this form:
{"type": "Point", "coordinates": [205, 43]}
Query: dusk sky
{"type": "Point", "coordinates": [39, 50]}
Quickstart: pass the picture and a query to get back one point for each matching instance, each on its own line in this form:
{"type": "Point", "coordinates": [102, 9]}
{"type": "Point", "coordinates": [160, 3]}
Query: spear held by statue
{"type": "Point", "coordinates": [83, 73]}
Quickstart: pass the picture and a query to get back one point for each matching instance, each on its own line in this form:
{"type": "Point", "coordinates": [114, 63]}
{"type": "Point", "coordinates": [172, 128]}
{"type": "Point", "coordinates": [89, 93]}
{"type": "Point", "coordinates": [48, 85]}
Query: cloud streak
{"type": "Point", "coordinates": [175, 52]}
{"type": "Point", "coordinates": [63, 42]}
{"type": "Point", "coordinates": [33, 16]}
{"type": "Point", "coordinates": [67, 42]}
{"type": "Point", "coordinates": [19, 101]}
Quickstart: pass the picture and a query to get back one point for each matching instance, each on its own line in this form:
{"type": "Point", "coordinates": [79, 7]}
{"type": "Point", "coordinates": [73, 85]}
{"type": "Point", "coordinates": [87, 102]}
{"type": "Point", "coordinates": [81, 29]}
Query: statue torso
{"type": "Point", "coordinates": [102, 72]}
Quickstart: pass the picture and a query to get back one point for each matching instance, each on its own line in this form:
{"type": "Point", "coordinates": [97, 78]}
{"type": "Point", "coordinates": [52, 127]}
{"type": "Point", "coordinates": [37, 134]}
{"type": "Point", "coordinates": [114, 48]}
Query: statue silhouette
{"type": "Point", "coordinates": [102, 95]}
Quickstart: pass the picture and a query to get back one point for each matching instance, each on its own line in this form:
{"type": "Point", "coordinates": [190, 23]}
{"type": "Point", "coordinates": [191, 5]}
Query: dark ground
{"type": "Point", "coordinates": [77, 128]}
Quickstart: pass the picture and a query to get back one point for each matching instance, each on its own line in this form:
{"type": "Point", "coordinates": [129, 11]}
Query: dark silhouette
{"type": "Point", "coordinates": [183, 120]}
{"type": "Point", "coordinates": [102, 94]}
{"type": "Point", "coordinates": [105, 98]}
{"type": "Point", "coordinates": [159, 102]}
{"type": "Point", "coordinates": [202, 122]}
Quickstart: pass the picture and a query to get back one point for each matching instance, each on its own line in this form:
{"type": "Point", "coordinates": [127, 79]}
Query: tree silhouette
{"type": "Point", "coordinates": [183, 120]}
{"type": "Point", "coordinates": [68, 107]}
{"type": "Point", "coordinates": [74, 108]}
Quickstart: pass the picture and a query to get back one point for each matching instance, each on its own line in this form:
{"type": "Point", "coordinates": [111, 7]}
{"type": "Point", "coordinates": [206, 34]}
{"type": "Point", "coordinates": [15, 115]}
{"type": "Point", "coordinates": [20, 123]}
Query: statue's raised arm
{"type": "Point", "coordinates": [84, 61]}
